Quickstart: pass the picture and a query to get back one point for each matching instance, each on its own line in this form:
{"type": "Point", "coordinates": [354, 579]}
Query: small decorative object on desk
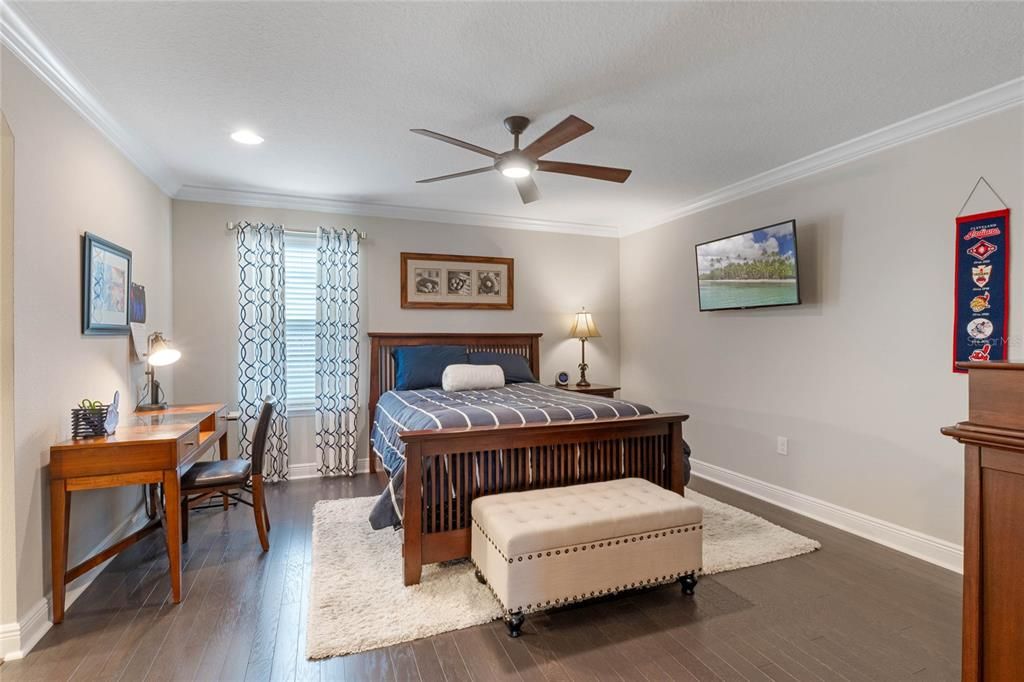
{"type": "Point", "coordinates": [92, 418]}
{"type": "Point", "coordinates": [110, 423]}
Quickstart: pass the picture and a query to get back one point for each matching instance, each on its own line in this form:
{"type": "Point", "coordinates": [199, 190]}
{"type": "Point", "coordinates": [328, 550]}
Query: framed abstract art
{"type": "Point", "coordinates": [106, 282]}
{"type": "Point", "coordinates": [432, 280]}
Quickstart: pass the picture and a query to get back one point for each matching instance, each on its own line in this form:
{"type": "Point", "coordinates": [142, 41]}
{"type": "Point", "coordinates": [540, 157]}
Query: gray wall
{"type": "Point", "coordinates": [858, 378]}
{"type": "Point", "coordinates": [70, 180]}
{"type": "Point", "coordinates": [8, 510]}
{"type": "Point", "coordinates": [555, 275]}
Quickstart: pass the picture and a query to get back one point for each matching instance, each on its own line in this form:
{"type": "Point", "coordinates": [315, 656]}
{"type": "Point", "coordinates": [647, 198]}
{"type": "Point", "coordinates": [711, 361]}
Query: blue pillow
{"type": "Point", "coordinates": [422, 366]}
{"type": "Point", "coordinates": [517, 369]}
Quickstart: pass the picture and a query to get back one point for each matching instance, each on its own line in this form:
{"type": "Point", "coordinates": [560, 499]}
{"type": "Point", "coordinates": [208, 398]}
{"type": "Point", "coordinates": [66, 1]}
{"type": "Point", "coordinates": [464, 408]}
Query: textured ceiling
{"type": "Point", "coordinates": [691, 96]}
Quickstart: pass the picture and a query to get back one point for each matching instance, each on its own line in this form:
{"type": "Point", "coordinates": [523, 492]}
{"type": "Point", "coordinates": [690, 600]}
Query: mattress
{"type": "Point", "coordinates": [433, 409]}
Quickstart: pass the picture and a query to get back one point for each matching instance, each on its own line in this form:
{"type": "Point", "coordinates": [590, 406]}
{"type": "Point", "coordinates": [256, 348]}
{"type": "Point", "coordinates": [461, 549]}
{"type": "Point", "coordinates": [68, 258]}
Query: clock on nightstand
{"type": "Point", "coordinates": [592, 389]}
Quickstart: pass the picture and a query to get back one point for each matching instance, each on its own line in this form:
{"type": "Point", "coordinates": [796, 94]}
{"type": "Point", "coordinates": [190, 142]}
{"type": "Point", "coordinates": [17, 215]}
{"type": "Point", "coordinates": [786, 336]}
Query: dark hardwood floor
{"type": "Point", "coordinates": [852, 611]}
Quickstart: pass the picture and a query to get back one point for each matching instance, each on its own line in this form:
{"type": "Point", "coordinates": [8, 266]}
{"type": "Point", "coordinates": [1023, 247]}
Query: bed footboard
{"type": "Point", "coordinates": [446, 470]}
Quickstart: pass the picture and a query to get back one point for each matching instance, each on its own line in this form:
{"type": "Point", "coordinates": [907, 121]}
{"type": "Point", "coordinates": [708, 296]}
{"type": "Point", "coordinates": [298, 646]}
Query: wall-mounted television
{"type": "Point", "coordinates": [752, 269]}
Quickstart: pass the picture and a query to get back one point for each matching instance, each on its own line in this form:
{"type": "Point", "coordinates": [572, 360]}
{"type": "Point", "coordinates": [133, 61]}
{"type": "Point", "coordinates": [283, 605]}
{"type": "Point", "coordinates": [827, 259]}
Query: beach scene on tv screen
{"type": "Point", "coordinates": [756, 268]}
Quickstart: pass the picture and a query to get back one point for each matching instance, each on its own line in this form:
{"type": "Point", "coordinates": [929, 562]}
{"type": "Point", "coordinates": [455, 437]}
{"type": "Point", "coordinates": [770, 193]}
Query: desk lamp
{"type": "Point", "coordinates": [160, 353]}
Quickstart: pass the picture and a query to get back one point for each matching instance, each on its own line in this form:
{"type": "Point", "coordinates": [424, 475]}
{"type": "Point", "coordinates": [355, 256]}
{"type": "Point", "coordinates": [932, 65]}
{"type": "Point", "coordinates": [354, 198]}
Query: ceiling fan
{"type": "Point", "coordinates": [519, 164]}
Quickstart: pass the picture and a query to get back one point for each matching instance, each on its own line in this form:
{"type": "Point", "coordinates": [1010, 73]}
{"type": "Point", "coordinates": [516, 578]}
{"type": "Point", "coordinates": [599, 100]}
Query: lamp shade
{"type": "Point", "coordinates": [160, 351]}
{"type": "Point", "coordinates": [583, 326]}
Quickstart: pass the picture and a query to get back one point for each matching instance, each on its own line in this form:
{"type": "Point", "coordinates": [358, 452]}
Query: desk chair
{"type": "Point", "coordinates": [231, 477]}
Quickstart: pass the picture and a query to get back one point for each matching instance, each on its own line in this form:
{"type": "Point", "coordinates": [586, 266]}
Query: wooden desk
{"type": "Point", "coordinates": [148, 448]}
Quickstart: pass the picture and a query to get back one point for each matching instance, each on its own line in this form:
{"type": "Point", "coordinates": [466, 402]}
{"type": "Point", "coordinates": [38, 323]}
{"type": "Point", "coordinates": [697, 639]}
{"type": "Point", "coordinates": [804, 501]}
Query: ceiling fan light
{"type": "Point", "coordinates": [515, 171]}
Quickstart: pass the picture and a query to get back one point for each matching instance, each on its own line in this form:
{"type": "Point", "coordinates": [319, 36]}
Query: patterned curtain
{"type": "Point", "coordinates": [337, 350]}
{"type": "Point", "coordinates": [261, 356]}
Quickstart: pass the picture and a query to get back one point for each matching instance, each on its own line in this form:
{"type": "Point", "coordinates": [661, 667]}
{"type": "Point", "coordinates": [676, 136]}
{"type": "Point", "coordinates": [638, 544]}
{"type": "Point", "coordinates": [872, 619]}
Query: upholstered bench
{"type": "Point", "coordinates": [544, 548]}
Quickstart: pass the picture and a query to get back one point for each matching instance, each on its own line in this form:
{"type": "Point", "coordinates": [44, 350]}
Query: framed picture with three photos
{"type": "Point", "coordinates": [434, 280]}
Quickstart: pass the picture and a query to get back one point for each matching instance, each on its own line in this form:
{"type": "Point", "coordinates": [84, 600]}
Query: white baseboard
{"type": "Point", "coordinates": [926, 547]}
{"type": "Point", "coordinates": [10, 641]}
{"type": "Point", "coordinates": [17, 639]}
{"type": "Point", "coordinates": [298, 472]}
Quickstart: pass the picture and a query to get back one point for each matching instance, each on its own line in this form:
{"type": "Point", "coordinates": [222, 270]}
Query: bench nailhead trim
{"type": "Point", "coordinates": [600, 545]}
{"type": "Point", "coordinates": [650, 582]}
{"type": "Point", "coordinates": [530, 608]}
{"type": "Point", "coordinates": [564, 601]}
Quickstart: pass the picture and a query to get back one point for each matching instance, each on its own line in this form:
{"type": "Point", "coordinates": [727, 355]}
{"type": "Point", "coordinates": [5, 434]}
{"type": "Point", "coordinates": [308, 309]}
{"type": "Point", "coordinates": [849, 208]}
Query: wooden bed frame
{"type": "Point", "coordinates": [447, 469]}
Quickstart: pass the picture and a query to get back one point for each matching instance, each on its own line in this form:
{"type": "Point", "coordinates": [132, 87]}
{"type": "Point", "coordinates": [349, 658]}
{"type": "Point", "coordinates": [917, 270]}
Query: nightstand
{"type": "Point", "coordinates": [592, 389]}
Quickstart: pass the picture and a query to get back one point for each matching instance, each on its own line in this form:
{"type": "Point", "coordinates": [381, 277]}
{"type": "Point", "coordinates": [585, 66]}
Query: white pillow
{"type": "Point", "coordinates": [472, 377]}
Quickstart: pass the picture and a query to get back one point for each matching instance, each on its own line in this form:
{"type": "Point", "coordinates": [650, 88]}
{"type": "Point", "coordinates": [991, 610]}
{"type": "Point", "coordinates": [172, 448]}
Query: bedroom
{"type": "Point", "coordinates": [838, 542]}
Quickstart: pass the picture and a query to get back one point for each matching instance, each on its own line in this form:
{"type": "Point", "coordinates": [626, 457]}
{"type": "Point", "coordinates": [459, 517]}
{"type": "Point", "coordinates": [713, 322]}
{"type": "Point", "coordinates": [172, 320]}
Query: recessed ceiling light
{"type": "Point", "coordinates": [246, 137]}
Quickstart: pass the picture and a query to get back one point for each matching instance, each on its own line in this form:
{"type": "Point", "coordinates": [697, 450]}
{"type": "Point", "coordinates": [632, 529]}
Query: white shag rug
{"type": "Point", "coordinates": [358, 601]}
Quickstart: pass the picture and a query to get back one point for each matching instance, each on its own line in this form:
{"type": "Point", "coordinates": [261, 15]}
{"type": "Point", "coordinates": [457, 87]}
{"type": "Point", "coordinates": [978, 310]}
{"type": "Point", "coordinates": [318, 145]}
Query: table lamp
{"type": "Point", "coordinates": [160, 353]}
{"type": "Point", "coordinates": [583, 328]}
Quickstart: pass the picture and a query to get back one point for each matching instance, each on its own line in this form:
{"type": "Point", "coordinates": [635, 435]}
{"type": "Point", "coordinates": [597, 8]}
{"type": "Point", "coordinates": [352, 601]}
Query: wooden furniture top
{"type": "Point", "coordinates": [592, 388]}
{"type": "Point", "coordinates": [1018, 366]}
{"type": "Point", "coordinates": [168, 424]}
{"type": "Point", "coordinates": [996, 406]}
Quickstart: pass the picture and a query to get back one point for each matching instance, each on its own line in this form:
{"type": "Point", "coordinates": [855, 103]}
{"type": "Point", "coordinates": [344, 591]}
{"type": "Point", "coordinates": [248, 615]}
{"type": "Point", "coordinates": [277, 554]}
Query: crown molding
{"type": "Point", "coordinates": [998, 98]}
{"type": "Point", "coordinates": [25, 44]}
{"type": "Point", "coordinates": [320, 204]}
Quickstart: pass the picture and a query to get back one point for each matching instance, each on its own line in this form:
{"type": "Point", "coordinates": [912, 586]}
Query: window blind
{"type": "Point", "coordinates": [300, 320]}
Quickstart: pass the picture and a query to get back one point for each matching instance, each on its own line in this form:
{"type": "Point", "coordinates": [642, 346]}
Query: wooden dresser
{"type": "Point", "coordinates": [993, 438]}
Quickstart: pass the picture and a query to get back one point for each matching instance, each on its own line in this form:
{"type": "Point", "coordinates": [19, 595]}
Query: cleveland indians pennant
{"type": "Point", "coordinates": [982, 298]}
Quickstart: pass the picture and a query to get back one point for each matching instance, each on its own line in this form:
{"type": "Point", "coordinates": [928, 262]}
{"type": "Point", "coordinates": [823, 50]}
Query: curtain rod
{"type": "Point", "coordinates": [234, 226]}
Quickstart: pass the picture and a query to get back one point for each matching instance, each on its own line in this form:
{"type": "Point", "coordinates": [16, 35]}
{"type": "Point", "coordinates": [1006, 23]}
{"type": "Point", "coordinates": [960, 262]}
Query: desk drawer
{"type": "Point", "coordinates": [188, 444]}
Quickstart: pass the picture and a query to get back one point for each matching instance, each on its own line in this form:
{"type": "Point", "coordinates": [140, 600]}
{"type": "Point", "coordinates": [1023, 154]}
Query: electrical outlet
{"type": "Point", "coordinates": [782, 446]}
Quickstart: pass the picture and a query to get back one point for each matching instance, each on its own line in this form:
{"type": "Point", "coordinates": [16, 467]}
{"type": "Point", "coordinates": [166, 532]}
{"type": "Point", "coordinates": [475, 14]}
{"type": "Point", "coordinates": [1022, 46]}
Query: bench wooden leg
{"type": "Point", "coordinates": [689, 583]}
{"type": "Point", "coordinates": [515, 621]}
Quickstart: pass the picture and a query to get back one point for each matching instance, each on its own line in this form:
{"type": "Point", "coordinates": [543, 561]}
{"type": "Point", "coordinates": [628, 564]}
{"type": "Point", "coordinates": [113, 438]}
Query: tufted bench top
{"type": "Point", "coordinates": [542, 519]}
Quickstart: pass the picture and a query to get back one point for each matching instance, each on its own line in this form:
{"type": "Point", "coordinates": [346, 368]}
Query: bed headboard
{"type": "Point", "coordinates": [382, 364]}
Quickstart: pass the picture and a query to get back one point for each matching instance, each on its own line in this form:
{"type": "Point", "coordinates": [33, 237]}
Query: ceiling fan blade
{"type": "Point", "coordinates": [528, 191]}
{"type": "Point", "coordinates": [457, 175]}
{"type": "Point", "coordinates": [585, 171]}
{"type": "Point", "coordinates": [457, 143]}
{"type": "Point", "coordinates": [563, 133]}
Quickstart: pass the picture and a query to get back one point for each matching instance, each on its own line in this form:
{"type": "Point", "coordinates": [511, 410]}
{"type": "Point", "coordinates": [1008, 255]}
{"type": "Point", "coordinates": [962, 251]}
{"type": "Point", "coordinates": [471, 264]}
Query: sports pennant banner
{"type": "Point", "coordinates": [982, 296]}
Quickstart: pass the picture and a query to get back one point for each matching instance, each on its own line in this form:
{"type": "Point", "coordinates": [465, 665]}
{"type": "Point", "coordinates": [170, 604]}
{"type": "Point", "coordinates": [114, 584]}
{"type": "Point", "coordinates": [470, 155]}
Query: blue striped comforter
{"type": "Point", "coordinates": [432, 408]}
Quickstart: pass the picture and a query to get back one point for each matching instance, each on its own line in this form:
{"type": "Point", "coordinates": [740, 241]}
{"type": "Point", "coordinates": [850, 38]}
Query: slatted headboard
{"type": "Point", "coordinates": [382, 364]}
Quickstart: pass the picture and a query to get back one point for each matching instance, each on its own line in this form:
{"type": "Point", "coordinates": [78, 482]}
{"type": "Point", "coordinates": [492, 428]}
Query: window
{"type": "Point", "coordinates": [300, 320]}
